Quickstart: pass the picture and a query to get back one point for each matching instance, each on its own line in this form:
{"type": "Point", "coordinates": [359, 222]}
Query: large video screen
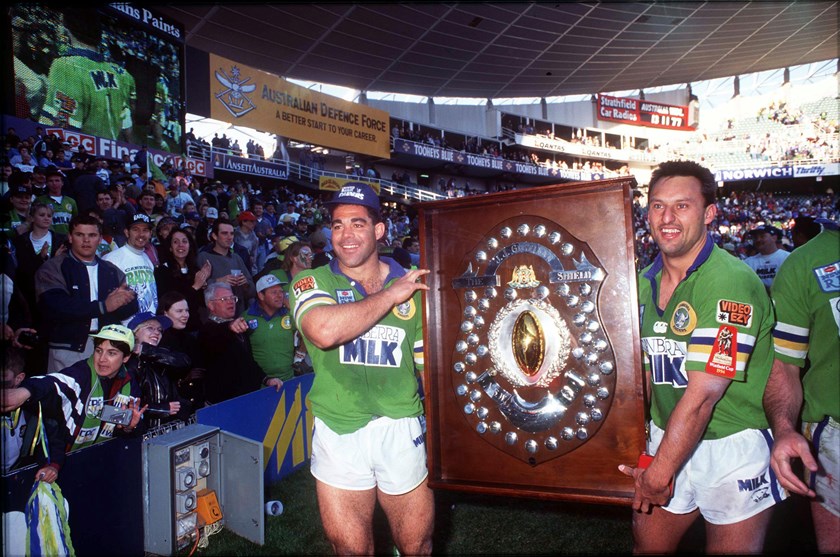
{"type": "Point", "coordinates": [114, 73]}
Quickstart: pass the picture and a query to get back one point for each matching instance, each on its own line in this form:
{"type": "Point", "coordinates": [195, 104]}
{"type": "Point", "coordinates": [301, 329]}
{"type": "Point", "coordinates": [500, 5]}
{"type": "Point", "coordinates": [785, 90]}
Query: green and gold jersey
{"type": "Point", "coordinates": [87, 93]}
{"type": "Point", "coordinates": [806, 294]}
{"type": "Point", "coordinates": [372, 375]}
{"type": "Point", "coordinates": [718, 321]}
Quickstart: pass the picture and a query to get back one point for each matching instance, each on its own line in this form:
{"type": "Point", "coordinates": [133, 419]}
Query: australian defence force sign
{"type": "Point", "coordinates": [245, 96]}
{"type": "Point", "coordinates": [533, 369]}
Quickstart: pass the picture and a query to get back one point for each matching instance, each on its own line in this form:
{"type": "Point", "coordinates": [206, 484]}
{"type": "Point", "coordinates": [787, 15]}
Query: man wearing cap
{"type": "Point", "coordinates": [230, 369]}
{"type": "Point", "coordinates": [291, 215]}
{"type": "Point", "coordinates": [202, 231]}
{"type": "Point", "coordinates": [272, 335]}
{"type": "Point", "coordinates": [135, 263]}
{"type": "Point", "coordinates": [770, 257]}
{"type": "Point", "coordinates": [191, 220]}
{"type": "Point", "coordinates": [80, 293]}
{"type": "Point", "coordinates": [76, 396]}
{"type": "Point", "coordinates": [176, 198]}
{"type": "Point", "coordinates": [361, 320]}
{"type": "Point", "coordinates": [14, 222]}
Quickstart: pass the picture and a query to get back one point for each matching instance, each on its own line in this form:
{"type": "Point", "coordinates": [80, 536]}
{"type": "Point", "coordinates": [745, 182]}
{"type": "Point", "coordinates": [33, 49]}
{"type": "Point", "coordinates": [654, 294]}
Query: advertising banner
{"type": "Point", "coordinates": [777, 172]}
{"type": "Point", "coordinates": [579, 149]}
{"type": "Point", "coordinates": [281, 421]}
{"type": "Point", "coordinates": [639, 112]}
{"type": "Point", "coordinates": [245, 96]}
{"type": "Point", "coordinates": [111, 149]}
{"type": "Point", "coordinates": [265, 169]}
{"type": "Point", "coordinates": [494, 163]}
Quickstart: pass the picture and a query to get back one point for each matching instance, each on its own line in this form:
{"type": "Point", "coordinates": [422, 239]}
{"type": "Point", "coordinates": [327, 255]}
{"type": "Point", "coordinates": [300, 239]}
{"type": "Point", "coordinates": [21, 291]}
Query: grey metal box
{"type": "Point", "coordinates": [182, 462]}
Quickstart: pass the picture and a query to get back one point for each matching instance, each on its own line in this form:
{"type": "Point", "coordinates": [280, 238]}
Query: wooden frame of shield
{"type": "Point", "coordinates": [532, 347]}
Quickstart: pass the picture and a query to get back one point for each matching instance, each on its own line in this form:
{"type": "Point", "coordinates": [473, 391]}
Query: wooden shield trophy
{"type": "Point", "coordinates": [532, 355]}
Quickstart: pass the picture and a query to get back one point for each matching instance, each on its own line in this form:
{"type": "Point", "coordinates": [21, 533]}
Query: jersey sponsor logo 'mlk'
{"type": "Point", "coordinates": [381, 346]}
{"type": "Point", "coordinates": [828, 277]}
{"type": "Point", "coordinates": [759, 487]}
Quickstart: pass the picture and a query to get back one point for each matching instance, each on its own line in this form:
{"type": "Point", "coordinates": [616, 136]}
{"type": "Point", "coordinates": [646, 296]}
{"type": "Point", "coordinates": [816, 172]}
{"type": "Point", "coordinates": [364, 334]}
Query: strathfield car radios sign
{"type": "Point", "coordinates": [533, 362]}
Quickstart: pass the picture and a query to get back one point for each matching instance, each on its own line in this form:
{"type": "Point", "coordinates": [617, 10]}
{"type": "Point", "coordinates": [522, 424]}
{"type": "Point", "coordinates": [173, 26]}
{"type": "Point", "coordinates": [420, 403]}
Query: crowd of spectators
{"type": "Point", "coordinates": [741, 213]}
{"type": "Point", "coordinates": [178, 262]}
{"type": "Point", "coordinates": [162, 237]}
{"type": "Point", "coordinates": [799, 133]}
{"type": "Point", "coordinates": [184, 234]}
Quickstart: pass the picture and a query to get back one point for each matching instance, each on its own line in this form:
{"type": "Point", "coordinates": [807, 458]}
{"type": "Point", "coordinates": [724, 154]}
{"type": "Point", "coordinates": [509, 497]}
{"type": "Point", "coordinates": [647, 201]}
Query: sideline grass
{"type": "Point", "coordinates": [471, 524]}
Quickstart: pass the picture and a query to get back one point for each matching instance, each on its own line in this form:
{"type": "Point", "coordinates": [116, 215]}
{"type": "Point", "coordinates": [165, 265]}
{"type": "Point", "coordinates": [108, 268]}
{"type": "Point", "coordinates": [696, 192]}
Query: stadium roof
{"type": "Point", "coordinates": [512, 49]}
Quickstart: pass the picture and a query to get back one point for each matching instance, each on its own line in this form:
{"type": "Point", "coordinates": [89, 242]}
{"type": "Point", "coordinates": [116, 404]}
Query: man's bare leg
{"type": "Point", "coordinates": [827, 528]}
{"type": "Point", "coordinates": [412, 518]}
{"type": "Point", "coordinates": [741, 538]}
{"type": "Point", "coordinates": [347, 517]}
{"type": "Point", "coordinates": [660, 531]}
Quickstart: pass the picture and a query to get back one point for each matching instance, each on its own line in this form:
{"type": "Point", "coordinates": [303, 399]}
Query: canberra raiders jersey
{"type": "Point", "coordinates": [372, 375]}
{"type": "Point", "coordinates": [63, 211]}
{"type": "Point", "coordinates": [88, 93]}
{"type": "Point", "coordinates": [718, 321]}
{"type": "Point", "coordinates": [806, 294]}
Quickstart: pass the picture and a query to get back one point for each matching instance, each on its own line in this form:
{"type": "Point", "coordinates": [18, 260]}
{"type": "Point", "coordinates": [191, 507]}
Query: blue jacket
{"type": "Point", "coordinates": [63, 291]}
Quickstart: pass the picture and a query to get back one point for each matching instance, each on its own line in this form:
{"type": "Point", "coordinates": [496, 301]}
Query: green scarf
{"type": "Point", "coordinates": [93, 429]}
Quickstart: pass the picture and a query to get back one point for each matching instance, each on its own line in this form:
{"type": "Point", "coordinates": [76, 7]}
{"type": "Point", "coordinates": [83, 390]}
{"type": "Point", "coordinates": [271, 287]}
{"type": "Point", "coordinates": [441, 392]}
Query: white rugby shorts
{"type": "Point", "coordinates": [728, 479]}
{"type": "Point", "coordinates": [824, 436]}
{"type": "Point", "coordinates": [387, 453]}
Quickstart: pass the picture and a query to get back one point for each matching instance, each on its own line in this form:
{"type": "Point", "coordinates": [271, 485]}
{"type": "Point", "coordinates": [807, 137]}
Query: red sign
{"type": "Point", "coordinates": [75, 139]}
{"type": "Point", "coordinates": [643, 113]}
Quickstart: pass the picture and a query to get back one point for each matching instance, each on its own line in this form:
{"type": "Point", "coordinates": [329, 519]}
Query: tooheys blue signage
{"type": "Point", "coordinates": [250, 166]}
{"type": "Point", "coordinates": [481, 161]}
